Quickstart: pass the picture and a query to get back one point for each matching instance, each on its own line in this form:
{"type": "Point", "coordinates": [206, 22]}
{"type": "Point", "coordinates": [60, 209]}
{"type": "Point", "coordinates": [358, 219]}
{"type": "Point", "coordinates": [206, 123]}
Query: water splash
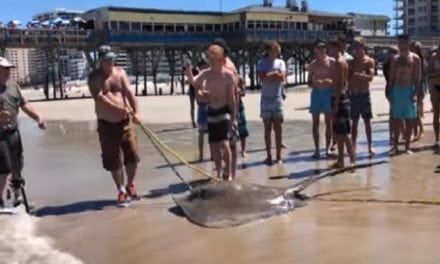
{"type": "Point", "coordinates": [19, 243]}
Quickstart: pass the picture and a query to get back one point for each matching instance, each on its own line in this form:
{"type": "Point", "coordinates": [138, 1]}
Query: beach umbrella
{"type": "Point", "coordinates": [47, 23]}
{"type": "Point", "coordinates": [79, 20]}
{"type": "Point", "coordinates": [65, 22]}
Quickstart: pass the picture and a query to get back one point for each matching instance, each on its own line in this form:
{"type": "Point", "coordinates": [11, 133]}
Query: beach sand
{"type": "Point", "coordinates": [75, 203]}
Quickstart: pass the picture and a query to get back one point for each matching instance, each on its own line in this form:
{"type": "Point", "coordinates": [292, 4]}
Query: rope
{"type": "Point", "coordinates": [159, 144]}
{"type": "Point", "coordinates": [383, 201]}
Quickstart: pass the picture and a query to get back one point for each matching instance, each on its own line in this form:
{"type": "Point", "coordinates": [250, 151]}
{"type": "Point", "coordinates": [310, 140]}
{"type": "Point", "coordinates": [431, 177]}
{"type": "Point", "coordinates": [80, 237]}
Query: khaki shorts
{"type": "Point", "coordinates": [116, 139]}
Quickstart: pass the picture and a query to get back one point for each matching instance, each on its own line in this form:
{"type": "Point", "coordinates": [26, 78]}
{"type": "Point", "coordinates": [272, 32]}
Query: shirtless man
{"type": "Point", "coordinates": [216, 87]}
{"type": "Point", "coordinates": [341, 105]}
{"type": "Point", "coordinates": [405, 85]}
{"type": "Point", "coordinates": [361, 73]}
{"type": "Point", "coordinates": [322, 73]}
{"type": "Point", "coordinates": [109, 87]}
{"type": "Point", "coordinates": [434, 83]}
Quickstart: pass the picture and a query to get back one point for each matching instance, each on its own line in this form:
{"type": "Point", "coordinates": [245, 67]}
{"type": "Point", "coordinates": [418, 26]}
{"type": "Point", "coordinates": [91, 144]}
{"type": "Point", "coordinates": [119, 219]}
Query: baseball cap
{"type": "Point", "coordinates": [5, 63]}
{"type": "Point", "coordinates": [404, 36]}
{"type": "Point", "coordinates": [320, 44]}
{"type": "Point", "coordinates": [105, 53]}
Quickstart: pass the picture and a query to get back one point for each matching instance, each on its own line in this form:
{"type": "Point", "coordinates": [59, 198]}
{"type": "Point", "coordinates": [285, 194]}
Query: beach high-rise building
{"type": "Point", "coordinates": [20, 59]}
{"type": "Point", "coordinates": [417, 17]}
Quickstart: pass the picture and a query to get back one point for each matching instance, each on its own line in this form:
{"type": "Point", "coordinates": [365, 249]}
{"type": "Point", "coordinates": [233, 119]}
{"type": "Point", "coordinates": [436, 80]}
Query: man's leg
{"type": "Point", "coordinates": [397, 127]}
{"type": "Point", "coordinates": [227, 159]}
{"type": "Point", "coordinates": [435, 100]}
{"type": "Point", "coordinates": [217, 156]}
{"type": "Point", "coordinates": [354, 133]}
{"type": "Point", "coordinates": [201, 145]}
{"type": "Point", "coordinates": [243, 147]}
{"type": "Point", "coordinates": [192, 110]}
{"type": "Point", "coordinates": [3, 182]}
{"type": "Point", "coordinates": [315, 130]}
{"type": "Point", "coordinates": [350, 149]}
{"type": "Point", "coordinates": [233, 152]}
{"type": "Point", "coordinates": [278, 128]}
{"type": "Point", "coordinates": [267, 139]}
{"type": "Point", "coordinates": [409, 124]}
{"type": "Point", "coordinates": [369, 133]}
{"type": "Point", "coordinates": [328, 132]}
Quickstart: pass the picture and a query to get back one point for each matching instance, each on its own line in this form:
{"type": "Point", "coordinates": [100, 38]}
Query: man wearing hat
{"type": "Point", "coordinates": [114, 105]}
{"type": "Point", "coordinates": [405, 71]}
{"type": "Point", "coordinates": [11, 150]}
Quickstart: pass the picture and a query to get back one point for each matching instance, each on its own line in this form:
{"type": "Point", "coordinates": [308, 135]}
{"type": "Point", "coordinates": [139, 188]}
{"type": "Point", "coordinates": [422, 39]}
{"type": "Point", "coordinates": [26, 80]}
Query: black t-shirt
{"type": "Point", "coordinates": [11, 100]}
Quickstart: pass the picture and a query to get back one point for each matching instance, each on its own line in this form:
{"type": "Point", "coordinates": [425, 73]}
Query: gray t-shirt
{"type": "Point", "coordinates": [10, 100]}
{"type": "Point", "coordinates": [271, 90]}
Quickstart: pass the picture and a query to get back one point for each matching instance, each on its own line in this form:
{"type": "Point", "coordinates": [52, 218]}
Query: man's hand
{"type": "Point", "coordinates": [415, 98]}
{"type": "Point", "coordinates": [42, 124]}
{"type": "Point", "coordinates": [234, 123]}
{"type": "Point", "coordinates": [5, 117]}
{"type": "Point", "coordinates": [137, 119]}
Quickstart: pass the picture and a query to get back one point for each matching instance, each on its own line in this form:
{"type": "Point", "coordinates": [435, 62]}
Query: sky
{"type": "Point", "coordinates": [24, 9]}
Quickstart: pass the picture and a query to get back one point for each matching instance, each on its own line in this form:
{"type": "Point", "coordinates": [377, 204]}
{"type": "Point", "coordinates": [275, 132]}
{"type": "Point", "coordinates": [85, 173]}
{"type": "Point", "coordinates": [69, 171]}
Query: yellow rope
{"type": "Point", "coordinates": [149, 133]}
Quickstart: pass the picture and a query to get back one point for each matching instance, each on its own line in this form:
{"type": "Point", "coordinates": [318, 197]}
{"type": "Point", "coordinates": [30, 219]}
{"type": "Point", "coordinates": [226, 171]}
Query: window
{"type": "Point", "coordinates": [124, 25]}
{"type": "Point", "coordinates": [136, 26]}
{"type": "Point", "coordinates": [279, 25]}
{"type": "Point", "coordinates": [305, 26]}
{"type": "Point", "coordinates": [209, 27]}
{"type": "Point", "coordinates": [298, 26]}
{"type": "Point", "coordinates": [199, 27]}
{"type": "Point", "coordinates": [158, 27]}
{"type": "Point", "coordinates": [147, 27]}
{"type": "Point", "coordinates": [285, 25]}
{"type": "Point", "coordinates": [237, 25]}
{"type": "Point", "coordinates": [113, 25]}
{"type": "Point", "coordinates": [191, 28]}
{"type": "Point", "coordinates": [258, 24]}
{"type": "Point", "coordinates": [218, 27]}
{"type": "Point", "coordinates": [231, 26]}
{"type": "Point", "coordinates": [251, 24]}
{"type": "Point", "coordinates": [292, 25]}
{"type": "Point", "coordinates": [169, 28]}
{"type": "Point", "coordinates": [180, 28]}
{"type": "Point", "coordinates": [265, 24]}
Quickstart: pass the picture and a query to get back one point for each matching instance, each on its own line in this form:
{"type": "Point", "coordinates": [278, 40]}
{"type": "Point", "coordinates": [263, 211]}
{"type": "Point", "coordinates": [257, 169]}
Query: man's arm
{"type": "Point", "coordinates": [369, 75]}
{"type": "Point", "coordinates": [417, 75]}
{"type": "Point", "coordinates": [392, 77]}
{"type": "Point", "coordinates": [310, 76]}
{"type": "Point", "coordinates": [232, 99]}
{"type": "Point", "coordinates": [130, 97]}
{"type": "Point", "coordinates": [99, 95]}
{"type": "Point", "coordinates": [432, 73]}
{"type": "Point", "coordinates": [32, 113]}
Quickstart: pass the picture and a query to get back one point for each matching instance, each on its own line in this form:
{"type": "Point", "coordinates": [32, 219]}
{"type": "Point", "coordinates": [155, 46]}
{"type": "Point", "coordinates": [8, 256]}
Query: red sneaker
{"type": "Point", "coordinates": [122, 199]}
{"type": "Point", "coordinates": [132, 192]}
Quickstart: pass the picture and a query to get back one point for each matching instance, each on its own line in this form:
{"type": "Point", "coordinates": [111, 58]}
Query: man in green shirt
{"type": "Point", "coordinates": [11, 151]}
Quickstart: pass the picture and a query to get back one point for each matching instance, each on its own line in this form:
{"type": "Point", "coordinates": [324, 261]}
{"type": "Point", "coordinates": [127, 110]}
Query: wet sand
{"type": "Point", "coordinates": [75, 197]}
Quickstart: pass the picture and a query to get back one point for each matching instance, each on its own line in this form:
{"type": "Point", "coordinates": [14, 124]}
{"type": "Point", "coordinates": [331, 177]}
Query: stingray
{"type": "Point", "coordinates": [229, 204]}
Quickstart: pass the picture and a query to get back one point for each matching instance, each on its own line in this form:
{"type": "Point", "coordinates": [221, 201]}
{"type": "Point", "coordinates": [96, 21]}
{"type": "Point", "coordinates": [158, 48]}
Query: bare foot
{"type": "Point", "coordinates": [280, 162]}
{"type": "Point", "coordinates": [372, 152]}
{"type": "Point", "coordinates": [268, 161]}
{"type": "Point", "coordinates": [408, 152]}
{"type": "Point", "coordinates": [337, 165]}
{"type": "Point", "coordinates": [393, 151]}
{"type": "Point", "coordinates": [316, 155]}
{"type": "Point", "coordinates": [244, 155]}
{"type": "Point", "coordinates": [284, 146]}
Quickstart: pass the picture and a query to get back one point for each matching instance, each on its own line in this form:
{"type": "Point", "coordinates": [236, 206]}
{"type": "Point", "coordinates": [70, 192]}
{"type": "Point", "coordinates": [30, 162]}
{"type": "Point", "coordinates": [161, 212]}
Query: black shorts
{"type": "Point", "coordinates": [11, 152]}
{"type": "Point", "coordinates": [341, 123]}
{"type": "Point", "coordinates": [219, 124]}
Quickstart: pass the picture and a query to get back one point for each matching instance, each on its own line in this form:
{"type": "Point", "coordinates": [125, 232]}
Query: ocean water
{"type": "Point", "coordinates": [20, 244]}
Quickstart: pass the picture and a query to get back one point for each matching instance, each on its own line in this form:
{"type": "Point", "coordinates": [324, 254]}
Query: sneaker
{"type": "Point", "coordinates": [132, 192]}
{"type": "Point", "coordinates": [122, 199]}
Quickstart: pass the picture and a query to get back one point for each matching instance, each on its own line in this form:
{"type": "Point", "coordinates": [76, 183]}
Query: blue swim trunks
{"type": "Point", "coordinates": [402, 104]}
{"type": "Point", "coordinates": [360, 105]}
{"type": "Point", "coordinates": [321, 101]}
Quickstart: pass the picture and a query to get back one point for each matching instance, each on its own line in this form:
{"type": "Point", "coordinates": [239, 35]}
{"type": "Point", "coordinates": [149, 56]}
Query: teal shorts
{"type": "Point", "coordinates": [321, 101]}
{"type": "Point", "coordinates": [402, 104]}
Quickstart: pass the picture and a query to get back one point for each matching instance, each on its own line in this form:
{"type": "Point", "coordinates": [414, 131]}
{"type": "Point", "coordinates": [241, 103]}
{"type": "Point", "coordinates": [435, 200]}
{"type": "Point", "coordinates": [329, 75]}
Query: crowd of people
{"type": "Point", "coordinates": [340, 89]}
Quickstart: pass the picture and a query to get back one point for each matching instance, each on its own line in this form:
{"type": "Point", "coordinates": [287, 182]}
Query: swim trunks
{"type": "Point", "coordinates": [321, 101]}
{"type": "Point", "coordinates": [402, 104]}
{"type": "Point", "coordinates": [360, 106]}
{"type": "Point", "coordinates": [342, 124]}
{"type": "Point", "coordinates": [219, 124]}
